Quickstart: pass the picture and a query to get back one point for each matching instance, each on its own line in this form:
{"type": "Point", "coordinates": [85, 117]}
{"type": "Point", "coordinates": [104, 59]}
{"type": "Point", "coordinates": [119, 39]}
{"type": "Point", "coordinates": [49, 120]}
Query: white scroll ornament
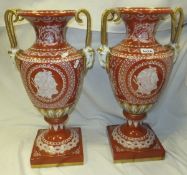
{"type": "Point", "coordinates": [89, 53]}
{"type": "Point", "coordinates": [12, 55]}
{"type": "Point", "coordinates": [103, 52]}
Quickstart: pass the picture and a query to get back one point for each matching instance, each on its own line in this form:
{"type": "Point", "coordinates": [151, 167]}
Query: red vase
{"type": "Point", "coordinates": [138, 68]}
{"type": "Point", "coordinates": [52, 72]}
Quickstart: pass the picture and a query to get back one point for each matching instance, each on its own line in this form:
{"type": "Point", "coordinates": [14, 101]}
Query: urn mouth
{"type": "Point", "coordinates": [44, 13]}
{"type": "Point", "coordinates": [145, 10]}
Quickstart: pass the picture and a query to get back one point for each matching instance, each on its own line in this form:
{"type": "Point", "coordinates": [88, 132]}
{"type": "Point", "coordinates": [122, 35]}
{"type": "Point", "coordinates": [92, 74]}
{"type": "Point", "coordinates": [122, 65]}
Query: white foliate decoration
{"type": "Point", "coordinates": [130, 122]}
{"type": "Point", "coordinates": [56, 127]}
{"type": "Point", "coordinates": [147, 80]}
{"type": "Point", "coordinates": [131, 142]}
{"type": "Point", "coordinates": [61, 126]}
{"type": "Point", "coordinates": [45, 84]}
{"type": "Point", "coordinates": [136, 124]}
{"type": "Point", "coordinates": [89, 53]}
{"type": "Point", "coordinates": [103, 52]}
{"type": "Point", "coordinates": [57, 147]}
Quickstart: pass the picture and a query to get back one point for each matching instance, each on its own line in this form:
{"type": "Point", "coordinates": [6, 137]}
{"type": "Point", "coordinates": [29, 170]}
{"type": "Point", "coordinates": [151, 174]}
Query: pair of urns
{"type": "Point", "coordinates": [52, 72]}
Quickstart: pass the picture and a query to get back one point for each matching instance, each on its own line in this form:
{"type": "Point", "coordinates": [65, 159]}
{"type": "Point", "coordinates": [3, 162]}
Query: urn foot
{"type": "Point", "coordinates": [72, 154]}
{"type": "Point", "coordinates": [122, 154]}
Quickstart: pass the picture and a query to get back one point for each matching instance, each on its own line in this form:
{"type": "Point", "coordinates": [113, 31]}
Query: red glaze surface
{"type": "Point", "coordinates": [52, 59]}
{"type": "Point", "coordinates": [134, 116]}
{"type": "Point", "coordinates": [53, 121]}
{"type": "Point", "coordinates": [52, 72]}
{"type": "Point", "coordinates": [139, 68]}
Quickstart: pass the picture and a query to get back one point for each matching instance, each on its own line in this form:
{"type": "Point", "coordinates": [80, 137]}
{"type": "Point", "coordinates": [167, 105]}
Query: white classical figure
{"type": "Point", "coordinates": [45, 84]}
{"type": "Point", "coordinates": [142, 32]}
{"type": "Point", "coordinates": [147, 80]}
{"type": "Point", "coordinates": [49, 35]}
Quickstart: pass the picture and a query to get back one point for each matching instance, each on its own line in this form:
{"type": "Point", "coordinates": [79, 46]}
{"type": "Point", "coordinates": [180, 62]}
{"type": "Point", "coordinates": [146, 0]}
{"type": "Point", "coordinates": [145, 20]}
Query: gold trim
{"type": "Point", "coordinates": [56, 165]}
{"type": "Point", "coordinates": [11, 16]}
{"type": "Point", "coordinates": [173, 24]}
{"type": "Point", "coordinates": [79, 20]}
{"type": "Point", "coordinates": [88, 31]}
{"type": "Point", "coordinates": [108, 15]}
{"type": "Point", "coordinates": [180, 24]}
{"type": "Point", "coordinates": [176, 25]}
{"type": "Point", "coordinates": [48, 12]}
{"type": "Point", "coordinates": [138, 160]}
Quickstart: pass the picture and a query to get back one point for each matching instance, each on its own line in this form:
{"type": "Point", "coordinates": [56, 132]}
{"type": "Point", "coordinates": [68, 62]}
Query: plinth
{"type": "Point", "coordinates": [123, 154]}
{"type": "Point", "coordinates": [73, 156]}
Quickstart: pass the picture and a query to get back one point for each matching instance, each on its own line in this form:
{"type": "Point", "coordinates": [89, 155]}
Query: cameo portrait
{"type": "Point", "coordinates": [147, 80]}
{"type": "Point", "coordinates": [45, 84]}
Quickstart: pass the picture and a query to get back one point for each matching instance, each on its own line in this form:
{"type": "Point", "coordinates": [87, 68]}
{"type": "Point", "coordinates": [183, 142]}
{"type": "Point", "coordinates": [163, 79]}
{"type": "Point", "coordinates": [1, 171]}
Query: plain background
{"type": "Point", "coordinates": [97, 107]}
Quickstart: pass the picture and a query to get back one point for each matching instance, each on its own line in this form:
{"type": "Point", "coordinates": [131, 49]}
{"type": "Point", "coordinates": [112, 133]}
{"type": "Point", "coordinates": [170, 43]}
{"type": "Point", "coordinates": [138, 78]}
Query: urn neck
{"type": "Point", "coordinates": [141, 23]}
{"type": "Point", "coordinates": [49, 26]}
{"type": "Point", "coordinates": [141, 30]}
{"type": "Point", "coordinates": [49, 34]}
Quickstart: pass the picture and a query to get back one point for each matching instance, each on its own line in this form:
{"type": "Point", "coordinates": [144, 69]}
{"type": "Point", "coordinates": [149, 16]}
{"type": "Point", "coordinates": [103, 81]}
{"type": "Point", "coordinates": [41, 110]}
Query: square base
{"type": "Point", "coordinates": [40, 159]}
{"type": "Point", "coordinates": [122, 155]}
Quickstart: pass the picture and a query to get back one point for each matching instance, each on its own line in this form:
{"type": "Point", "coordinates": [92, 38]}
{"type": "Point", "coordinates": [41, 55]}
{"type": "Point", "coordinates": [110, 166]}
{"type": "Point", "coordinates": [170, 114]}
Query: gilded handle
{"type": "Point", "coordinates": [176, 25]}
{"type": "Point", "coordinates": [177, 21]}
{"type": "Point", "coordinates": [108, 15]}
{"type": "Point", "coordinates": [87, 51]}
{"type": "Point", "coordinates": [11, 16]}
{"type": "Point", "coordinates": [103, 50]}
{"type": "Point", "coordinates": [79, 20]}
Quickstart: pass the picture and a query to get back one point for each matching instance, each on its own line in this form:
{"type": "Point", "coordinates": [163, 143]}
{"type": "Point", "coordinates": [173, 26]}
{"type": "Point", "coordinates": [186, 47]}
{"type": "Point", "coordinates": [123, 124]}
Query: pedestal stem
{"type": "Point", "coordinates": [134, 128]}
{"type": "Point", "coordinates": [134, 120]}
{"type": "Point", "coordinates": [56, 124]}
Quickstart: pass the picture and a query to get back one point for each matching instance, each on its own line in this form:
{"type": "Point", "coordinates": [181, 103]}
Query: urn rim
{"type": "Point", "coordinates": [145, 10]}
{"type": "Point", "coordinates": [44, 13]}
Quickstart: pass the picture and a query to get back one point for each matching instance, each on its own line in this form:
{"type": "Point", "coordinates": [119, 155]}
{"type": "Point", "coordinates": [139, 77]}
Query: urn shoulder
{"type": "Point", "coordinates": [128, 49]}
{"type": "Point", "coordinates": [57, 54]}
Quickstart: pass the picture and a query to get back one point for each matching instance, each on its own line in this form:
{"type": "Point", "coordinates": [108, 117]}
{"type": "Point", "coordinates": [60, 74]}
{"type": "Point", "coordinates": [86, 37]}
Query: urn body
{"type": "Point", "coordinates": [138, 68]}
{"type": "Point", "coordinates": [52, 72]}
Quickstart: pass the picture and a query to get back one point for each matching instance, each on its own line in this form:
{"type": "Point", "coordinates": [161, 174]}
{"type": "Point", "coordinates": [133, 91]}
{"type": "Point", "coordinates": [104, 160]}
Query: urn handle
{"type": "Point", "coordinates": [11, 16]}
{"type": "Point", "coordinates": [88, 51]}
{"type": "Point", "coordinates": [177, 21]}
{"type": "Point", "coordinates": [104, 50]}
